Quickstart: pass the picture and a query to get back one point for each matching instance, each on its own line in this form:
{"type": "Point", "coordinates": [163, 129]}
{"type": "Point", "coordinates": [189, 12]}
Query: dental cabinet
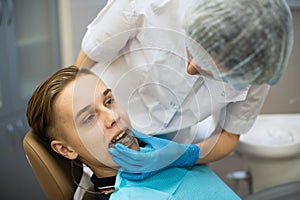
{"type": "Point", "coordinates": [29, 53]}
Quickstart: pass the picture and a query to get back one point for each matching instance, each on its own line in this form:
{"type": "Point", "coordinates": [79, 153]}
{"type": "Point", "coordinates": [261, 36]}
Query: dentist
{"type": "Point", "coordinates": [236, 48]}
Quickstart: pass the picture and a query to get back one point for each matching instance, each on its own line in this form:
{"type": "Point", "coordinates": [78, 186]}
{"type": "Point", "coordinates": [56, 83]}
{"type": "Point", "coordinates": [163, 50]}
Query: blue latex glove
{"type": "Point", "coordinates": [163, 153]}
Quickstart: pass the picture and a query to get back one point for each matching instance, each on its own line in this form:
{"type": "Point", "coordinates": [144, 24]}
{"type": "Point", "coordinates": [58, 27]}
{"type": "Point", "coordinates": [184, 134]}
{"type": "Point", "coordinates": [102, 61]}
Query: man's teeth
{"type": "Point", "coordinates": [120, 136]}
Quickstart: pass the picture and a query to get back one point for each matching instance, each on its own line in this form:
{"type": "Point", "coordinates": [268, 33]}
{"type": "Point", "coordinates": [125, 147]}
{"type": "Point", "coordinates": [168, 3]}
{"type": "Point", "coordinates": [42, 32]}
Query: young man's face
{"type": "Point", "coordinates": [91, 119]}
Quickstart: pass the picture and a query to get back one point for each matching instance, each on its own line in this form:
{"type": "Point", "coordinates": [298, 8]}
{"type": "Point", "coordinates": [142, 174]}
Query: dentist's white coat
{"type": "Point", "coordinates": [141, 54]}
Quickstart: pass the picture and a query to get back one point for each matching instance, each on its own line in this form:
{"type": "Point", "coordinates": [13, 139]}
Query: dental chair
{"type": "Point", "coordinates": [53, 172]}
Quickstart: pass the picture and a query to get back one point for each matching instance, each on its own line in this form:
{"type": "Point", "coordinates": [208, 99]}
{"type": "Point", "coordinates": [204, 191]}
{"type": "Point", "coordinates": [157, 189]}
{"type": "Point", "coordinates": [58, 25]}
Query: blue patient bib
{"type": "Point", "coordinates": [195, 183]}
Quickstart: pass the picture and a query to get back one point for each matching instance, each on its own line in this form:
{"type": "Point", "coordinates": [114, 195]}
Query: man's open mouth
{"type": "Point", "coordinates": [126, 138]}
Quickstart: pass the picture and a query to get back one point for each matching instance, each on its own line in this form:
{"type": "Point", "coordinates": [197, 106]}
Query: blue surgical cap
{"type": "Point", "coordinates": [244, 42]}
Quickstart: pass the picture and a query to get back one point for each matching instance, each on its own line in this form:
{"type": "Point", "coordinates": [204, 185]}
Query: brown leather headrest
{"type": "Point", "coordinates": [52, 170]}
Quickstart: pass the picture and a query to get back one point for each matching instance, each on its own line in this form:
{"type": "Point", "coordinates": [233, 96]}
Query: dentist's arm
{"type": "Point", "coordinates": [217, 147]}
{"type": "Point", "coordinates": [108, 33]}
{"type": "Point", "coordinates": [84, 61]}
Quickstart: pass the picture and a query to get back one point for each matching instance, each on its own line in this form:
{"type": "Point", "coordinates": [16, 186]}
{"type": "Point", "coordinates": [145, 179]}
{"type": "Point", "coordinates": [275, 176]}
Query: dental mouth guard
{"type": "Point", "coordinates": [126, 138]}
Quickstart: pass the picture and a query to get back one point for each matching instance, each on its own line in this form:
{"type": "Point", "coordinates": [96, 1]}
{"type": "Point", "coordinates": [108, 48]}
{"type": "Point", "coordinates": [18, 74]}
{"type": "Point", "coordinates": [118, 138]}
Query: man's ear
{"type": "Point", "coordinates": [63, 149]}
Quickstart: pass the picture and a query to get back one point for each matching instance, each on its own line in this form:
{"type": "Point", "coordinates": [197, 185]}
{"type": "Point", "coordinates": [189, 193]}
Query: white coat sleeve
{"type": "Point", "coordinates": [110, 30]}
{"type": "Point", "coordinates": [239, 117]}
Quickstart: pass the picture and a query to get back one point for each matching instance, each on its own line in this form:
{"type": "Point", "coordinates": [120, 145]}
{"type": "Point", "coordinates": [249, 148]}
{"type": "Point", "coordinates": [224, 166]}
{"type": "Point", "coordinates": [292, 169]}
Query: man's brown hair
{"type": "Point", "coordinates": [40, 114]}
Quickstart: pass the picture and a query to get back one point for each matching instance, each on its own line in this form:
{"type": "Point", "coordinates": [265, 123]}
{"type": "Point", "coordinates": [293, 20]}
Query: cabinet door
{"type": "Point", "coordinates": [1, 104]}
{"type": "Point", "coordinates": [11, 58]}
{"type": "Point", "coordinates": [37, 42]}
{"type": "Point", "coordinates": [1, 53]}
{"type": "Point", "coordinates": [17, 178]}
{"type": "Point", "coordinates": [1, 56]}
{"type": "Point", "coordinates": [4, 63]}
{"type": "Point", "coordinates": [29, 53]}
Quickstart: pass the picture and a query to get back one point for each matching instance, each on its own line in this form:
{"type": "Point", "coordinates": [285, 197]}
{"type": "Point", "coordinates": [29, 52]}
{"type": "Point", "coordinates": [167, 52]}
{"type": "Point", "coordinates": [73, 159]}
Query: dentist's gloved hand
{"type": "Point", "coordinates": [163, 153]}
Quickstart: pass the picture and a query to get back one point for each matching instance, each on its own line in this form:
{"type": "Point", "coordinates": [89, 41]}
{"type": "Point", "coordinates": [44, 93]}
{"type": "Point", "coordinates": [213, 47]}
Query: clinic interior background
{"type": "Point", "coordinates": [39, 36]}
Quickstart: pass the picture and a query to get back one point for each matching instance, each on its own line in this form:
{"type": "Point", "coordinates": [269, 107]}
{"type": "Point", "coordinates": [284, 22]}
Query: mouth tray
{"type": "Point", "coordinates": [126, 138]}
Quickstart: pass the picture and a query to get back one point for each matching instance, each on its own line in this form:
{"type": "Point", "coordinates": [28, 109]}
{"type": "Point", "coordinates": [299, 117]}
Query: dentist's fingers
{"type": "Point", "coordinates": [155, 142]}
{"type": "Point", "coordinates": [120, 156]}
{"type": "Point", "coordinates": [139, 134]}
{"type": "Point", "coordinates": [126, 167]}
{"type": "Point", "coordinates": [123, 151]}
{"type": "Point", "coordinates": [143, 137]}
{"type": "Point", "coordinates": [131, 156]}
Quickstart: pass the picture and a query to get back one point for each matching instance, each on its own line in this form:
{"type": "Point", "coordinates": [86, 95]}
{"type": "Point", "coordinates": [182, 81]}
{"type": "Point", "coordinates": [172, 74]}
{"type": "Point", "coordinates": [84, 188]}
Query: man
{"type": "Point", "coordinates": [76, 113]}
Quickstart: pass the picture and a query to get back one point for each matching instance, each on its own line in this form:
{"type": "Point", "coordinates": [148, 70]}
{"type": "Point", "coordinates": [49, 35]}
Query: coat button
{"type": "Point", "coordinates": [174, 105]}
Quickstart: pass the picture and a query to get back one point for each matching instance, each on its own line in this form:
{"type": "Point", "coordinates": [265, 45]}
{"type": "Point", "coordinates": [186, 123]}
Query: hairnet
{"type": "Point", "coordinates": [243, 42]}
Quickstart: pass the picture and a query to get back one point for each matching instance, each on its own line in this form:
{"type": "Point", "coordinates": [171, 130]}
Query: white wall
{"type": "Point", "coordinates": [74, 16]}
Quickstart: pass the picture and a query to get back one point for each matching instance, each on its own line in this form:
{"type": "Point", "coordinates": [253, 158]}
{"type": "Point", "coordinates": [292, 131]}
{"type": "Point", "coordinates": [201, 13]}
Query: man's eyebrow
{"type": "Point", "coordinates": [108, 90]}
{"type": "Point", "coordinates": [80, 112]}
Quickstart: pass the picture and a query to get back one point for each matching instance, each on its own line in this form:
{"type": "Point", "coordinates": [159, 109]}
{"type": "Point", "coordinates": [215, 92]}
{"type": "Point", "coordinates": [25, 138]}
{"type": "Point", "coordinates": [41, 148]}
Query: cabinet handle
{"type": "Point", "coordinates": [10, 12]}
{"type": "Point", "coordinates": [12, 135]}
{"type": "Point", "coordinates": [10, 128]}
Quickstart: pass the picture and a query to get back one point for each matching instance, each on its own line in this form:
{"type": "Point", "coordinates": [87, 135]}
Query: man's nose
{"type": "Point", "coordinates": [111, 119]}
